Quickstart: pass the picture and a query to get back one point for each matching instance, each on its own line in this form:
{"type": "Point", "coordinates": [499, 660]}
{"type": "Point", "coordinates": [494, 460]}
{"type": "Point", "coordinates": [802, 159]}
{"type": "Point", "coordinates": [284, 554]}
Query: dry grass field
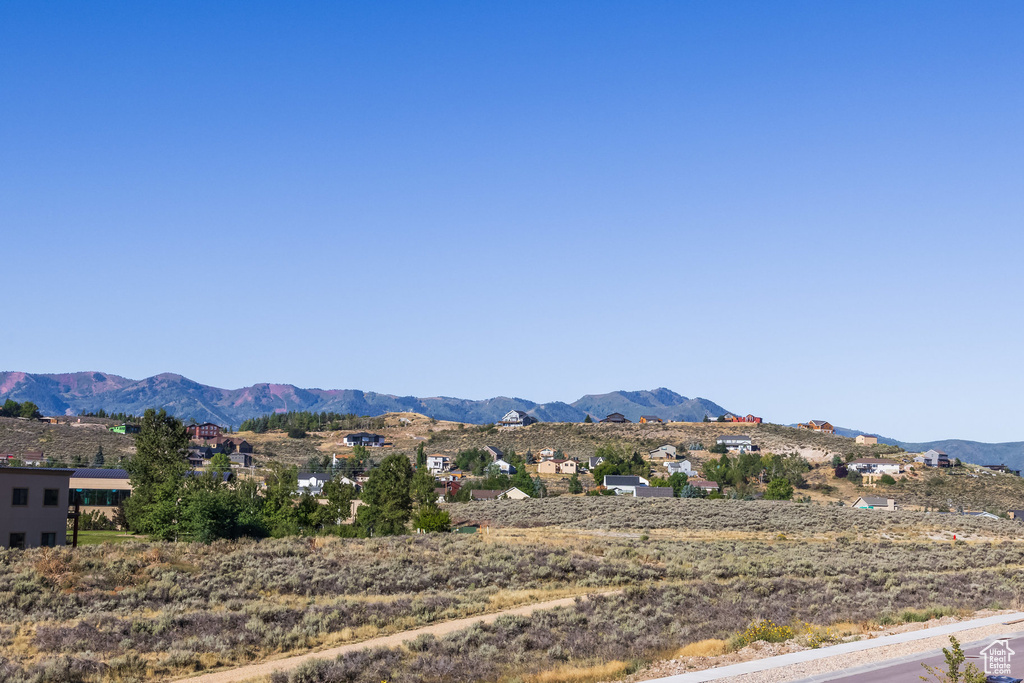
{"type": "Point", "coordinates": [693, 571]}
{"type": "Point", "coordinates": [64, 441]}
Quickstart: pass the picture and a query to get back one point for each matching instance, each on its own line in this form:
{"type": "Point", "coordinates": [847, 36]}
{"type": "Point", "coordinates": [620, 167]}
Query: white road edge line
{"type": "Point", "coordinates": [757, 665]}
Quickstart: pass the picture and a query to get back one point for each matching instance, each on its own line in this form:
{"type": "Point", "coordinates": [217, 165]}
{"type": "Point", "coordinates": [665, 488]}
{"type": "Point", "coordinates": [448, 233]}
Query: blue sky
{"type": "Point", "coordinates": [802, 210]}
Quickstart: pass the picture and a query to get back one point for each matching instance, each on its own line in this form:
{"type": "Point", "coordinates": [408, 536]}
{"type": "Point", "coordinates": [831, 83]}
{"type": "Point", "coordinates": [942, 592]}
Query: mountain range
{"type": "Point", "coordinates": [72, 393]}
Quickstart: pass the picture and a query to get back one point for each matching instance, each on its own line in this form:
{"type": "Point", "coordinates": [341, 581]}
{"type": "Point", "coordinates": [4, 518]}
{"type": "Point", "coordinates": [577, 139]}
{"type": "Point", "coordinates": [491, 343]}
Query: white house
{"type": "Point", "coordinates": [874, 466]}
{"type": "Point", "coordinates": [313, 482]}
{"type": "Point", "coordinates": [516, 418]}
{"type": "Point", "coordinates": [624, 484]}
{"type": "Point", "coordinates": [666, 451]}
{"type": "Point", "coordinates": [736, 443]}
{"type": "Point", "coordinates": [875, 503]}
{"type": "Point", "coordinates": [438, 463]}
{"type": "Point", "coordinates": [505, 467]}
{"type": "Point", "coordinates": [680, 466]}
{"type": "Point", "coordinates": [933, 458]}
{"type": "Point", "coordinates": [549, 452]}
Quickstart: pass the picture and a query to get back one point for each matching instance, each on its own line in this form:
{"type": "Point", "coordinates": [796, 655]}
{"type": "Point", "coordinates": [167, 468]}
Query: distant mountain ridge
{"type": "Point", "coordinates": [71, 393]}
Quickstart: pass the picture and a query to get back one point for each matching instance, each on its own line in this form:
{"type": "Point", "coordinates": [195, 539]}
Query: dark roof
{"type": "Point", "coordinates": [95, 473]}
{"type": "Point", "coordinates": [649, 417]}
{"type": "Point", "coordinates": [363, 435]}
{"type": "Point", "coordinates": [318, 475]}
{"type": "Point", "coordinates": [484, 495]}
{"type": "Point", "coordinates": [655, 492]}
{"type": "Point", "coordinates": [50, 470]}
{"type": "Point", "coordinates": [734, 437]}
{"type": "Point", "coordinates": [224, 476]}
{"type": "Point", "coordinates": [622, 480]}
{"type": "Point", "coordinates": [875, 500]}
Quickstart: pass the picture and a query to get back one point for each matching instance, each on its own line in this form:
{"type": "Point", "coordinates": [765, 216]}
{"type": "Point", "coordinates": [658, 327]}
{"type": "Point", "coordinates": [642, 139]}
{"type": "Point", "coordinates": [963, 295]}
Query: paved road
{"type": "Point", "coordinates": [909, 670]}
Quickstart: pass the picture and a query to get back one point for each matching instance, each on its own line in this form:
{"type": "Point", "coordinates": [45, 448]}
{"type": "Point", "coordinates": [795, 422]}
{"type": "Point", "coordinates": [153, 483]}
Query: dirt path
{"type": "Point", "coordinates": [268, 667]}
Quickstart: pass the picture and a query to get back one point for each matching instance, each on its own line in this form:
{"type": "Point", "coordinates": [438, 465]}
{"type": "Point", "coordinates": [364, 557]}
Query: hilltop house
{"type": "Point", "coordinates": [681, 467]}
{"type": "Point", "coordinates": [933, 458]}
{"type": "Point", "coordinates": [874, 466]}
{"type": "Point", "coordinates": [516, 418]}
{"type": "Point", "coordinates": [866, 439]}
{"type": "Point", "coordinates": [666, 451]}
{"type": "Point", "coordinates": [207, 430]}
{"type": "Point", "coordinates": [750, 418]}
{"type": "Point", "coordinates": [364, 439]}
{"type": "Point", "coordinates": [736, 443]}
{"type": "Point", "coordinates": [875, 503]}
{"type": "Point", "coordinates": [438, 463]}
{"type": "Point", "coordinates": [650, 419]}
{"type": "Point", "coordinates": [817, 426]}
{"type": "Point", "coordinates": [617, 418]}
{"type": "Point", "coordinates": [624, 484]}
{"type": "Point", "coordinates": [1002, 468]}
{"type": "Point", "coordinates": [124, 429]}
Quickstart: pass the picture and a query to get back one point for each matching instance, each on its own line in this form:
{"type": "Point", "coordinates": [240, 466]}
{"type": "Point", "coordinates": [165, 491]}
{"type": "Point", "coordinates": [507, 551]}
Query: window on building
{"type": "Point", "coordinates": [20, 497]}
{"type": "Point", "coordinates": [48, 540]}
{"type": "Point", "coordinates": [17, 541]}
{"type": "Point", "coordinates": [51, 497]}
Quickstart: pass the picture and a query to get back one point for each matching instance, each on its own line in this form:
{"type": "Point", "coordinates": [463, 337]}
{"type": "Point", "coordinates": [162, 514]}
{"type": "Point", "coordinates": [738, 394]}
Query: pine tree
{"type": "Point", "coordinates": [98, 459]}
{"type": "Point", "coordinates": [156, 473]}
{"type": "Point", "coordinates": [386, 494]}
{"type": "Point", "coordinates": [588, 419]}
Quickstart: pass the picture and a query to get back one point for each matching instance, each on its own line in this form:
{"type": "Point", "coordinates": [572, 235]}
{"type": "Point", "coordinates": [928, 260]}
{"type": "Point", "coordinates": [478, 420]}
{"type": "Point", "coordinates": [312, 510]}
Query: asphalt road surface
{"type": "Point", "coordinates": [910, 671]}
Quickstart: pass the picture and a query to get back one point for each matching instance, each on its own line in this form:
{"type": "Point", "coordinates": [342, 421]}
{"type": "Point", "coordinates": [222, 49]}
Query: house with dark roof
{"type": "Point", "coordinates": [364, 439]}
{"type": "Point", "coordinates": [650, 419]}
{"type": "Point", "coordinates": [97, 489]}
{"type": "Point", "coordinates": [933, 458]}
{"type": "Point", "coordinates": [1002, 468]}
{"type": "Point", "coordinates": [817, 426]}
{"type": "Point", "coordinates": [33, 459]}
{"type": "Point", "coordinates": [516, 418]}
{"type": "Point", "coordinates": [494, 452]}
{"type": "Point", "coordinates": [616, 418]}
{"type": "Point", "coordinates": [484, 495]}
{"type": "Point", "coordinates": [207, 430]}
{"type": "Point", "coordinates": [703, 485]}
{"type": "Point", "coordinates": [624, 483]}
{"type": "Point", "coordinates": [874, 503]}
{"type": "Point", "coordinates": [653, 492]}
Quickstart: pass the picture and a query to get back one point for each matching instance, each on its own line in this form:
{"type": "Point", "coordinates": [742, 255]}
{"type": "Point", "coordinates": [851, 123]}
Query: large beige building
{"type": "Point", "coordinates": [33, 506]}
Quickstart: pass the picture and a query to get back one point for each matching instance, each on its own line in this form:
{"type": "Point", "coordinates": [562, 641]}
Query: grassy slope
{"type": "Point", "coordinates": [64, 441]}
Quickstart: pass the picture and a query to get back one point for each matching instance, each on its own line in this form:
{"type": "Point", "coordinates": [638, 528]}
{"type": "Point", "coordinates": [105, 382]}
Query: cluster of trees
{"type": "Point", "coordinates": [25, 409]}
{"type": "Point", "coordinates": [304, 421]}
{"type": "Point", "coordinates": [616, 461]}
{"type": "Point", "coordinates": [123, 417]}
{"type": "Point", "coordinates": [171, 502]}
{"type": "Point", "coordinates": [782, 472]}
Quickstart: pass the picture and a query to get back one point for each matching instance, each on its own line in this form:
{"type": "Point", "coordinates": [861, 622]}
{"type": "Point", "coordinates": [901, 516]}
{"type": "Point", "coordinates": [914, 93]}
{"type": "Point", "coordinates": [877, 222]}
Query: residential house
{"type": "Point", "coordinates": [241, 459]}
{"type": "Point", "coordinates": [124, 429]}
{"type": "Point", "coordinates": [704, 485]}
{"type": "Point", "coordinates": [450, 475]}
{"type": "Point", "coordinates": [866, 439]}
{"type": "Point", "coordinates": [100, 490]}
{"type": "Point", "coordinates": [593, 461]}
{"type": "Point", "coordinates": [514, 494]}
{"type": "Point", "coordinates": [874, 466]}
{"type": "Point", "coordinates": [484, 495]}
{"type": "Point", "coordinates": [33, 459]}
{"type": "Point", "coordinates": [448, 488]}
{"type": "Point", "coordinates": [750, 418]}
{"type": "Point", "coordinates": [438, 463]}
{"type": "Point", "coordinates": [505, 467]}
{"type": "Point", "coordinates": [933, 458]}
{"type": "Point", "coordinates": [546, 453]}
{"type": "Point", "coordinates": [728, 417]}
{"type": "Point", "coordinates": [240, 445]}
{"type": "Point", "coordinates": [494, 452]}
{"type": "Point", "coordinates": [680, 466]}
{"type": "Point", "coordinates": [736, 443]}
{"type": "Point", "coordinates": [624, 484]}
{"type": "Point", "coordinates": [34, 501]}
{"type": "Point", "coordinates": [364, 439]}
{"type": "Point", "coordinates": [666, 451]}
{"type": "Point", "coordinates": [650, 419]}
{"type": "Point", "coordinates": [1002, 468]}
{"type": "Point", "coordinates": [1017, 515]}
{"type": "Point", "coordinates": [695, 446]}
{"type": "Point", "coordinates": [516, 418]}
{"type": "Point", "coordinates": [313, 482]}
{"type": "Point", "coordinates": [653, 492]}
{"type": "Point", "coordinates": [557, 466]}
{"type": "Point", "coordinates": [207, 430]}
{"type": "Point", "coordinates": [818, 426]}
{"type": "Point", "coordinates": [875, 503]}
{"type": "Point", "coordinates": [195, 457]}
{"type": "Point", "coordinates": [617, 418]}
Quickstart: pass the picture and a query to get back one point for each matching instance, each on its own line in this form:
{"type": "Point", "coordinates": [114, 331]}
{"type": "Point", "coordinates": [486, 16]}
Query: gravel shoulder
{"type": "Point", "coordinates": [721, 668]}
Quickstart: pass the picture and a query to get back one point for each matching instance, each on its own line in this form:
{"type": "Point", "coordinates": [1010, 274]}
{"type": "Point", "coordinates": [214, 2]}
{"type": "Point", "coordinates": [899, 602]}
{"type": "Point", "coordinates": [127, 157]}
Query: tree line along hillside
{"type": "Point", "coordinates": [311, 422]}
